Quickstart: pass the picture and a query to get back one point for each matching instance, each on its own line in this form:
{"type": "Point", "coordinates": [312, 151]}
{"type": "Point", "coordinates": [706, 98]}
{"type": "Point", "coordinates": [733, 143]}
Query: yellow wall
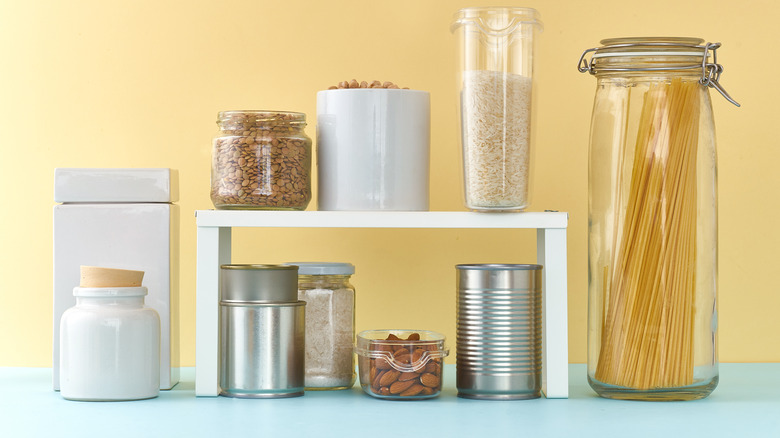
{"type": "Point", "coordinates": [139, 83]}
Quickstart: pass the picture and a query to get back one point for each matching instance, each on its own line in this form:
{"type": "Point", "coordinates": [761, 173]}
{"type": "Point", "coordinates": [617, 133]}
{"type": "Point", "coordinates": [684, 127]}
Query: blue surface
{"type": "Point", "coordinates": [745, 404]}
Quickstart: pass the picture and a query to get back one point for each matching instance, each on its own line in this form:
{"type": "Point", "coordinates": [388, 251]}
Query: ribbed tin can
{"type": "Point", "coordinates": [262, 332]}
{"type": "Point", "coordinates": [499, 331]}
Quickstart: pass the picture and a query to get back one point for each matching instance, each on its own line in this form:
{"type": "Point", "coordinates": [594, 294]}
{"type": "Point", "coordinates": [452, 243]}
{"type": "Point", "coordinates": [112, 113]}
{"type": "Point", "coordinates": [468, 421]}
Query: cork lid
{"type": "Point", "coordinates": [94, 276]}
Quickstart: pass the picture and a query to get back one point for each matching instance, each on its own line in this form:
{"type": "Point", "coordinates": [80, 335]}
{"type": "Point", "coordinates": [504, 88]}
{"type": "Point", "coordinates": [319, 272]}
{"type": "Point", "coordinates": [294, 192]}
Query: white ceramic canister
{"type": "Point", "coordinates": [373, 149]}
{"type": "Point", "coordinates": [109, 346]}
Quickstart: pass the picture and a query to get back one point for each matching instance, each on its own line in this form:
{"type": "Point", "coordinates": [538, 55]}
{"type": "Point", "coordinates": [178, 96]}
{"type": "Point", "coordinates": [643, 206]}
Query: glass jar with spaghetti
{"type": "Point", "coordinates": [652, 316]}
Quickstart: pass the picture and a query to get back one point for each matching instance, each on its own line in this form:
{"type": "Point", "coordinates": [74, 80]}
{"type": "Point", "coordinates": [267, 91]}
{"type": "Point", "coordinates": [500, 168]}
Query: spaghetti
{"type": "Point", "coordinates": [647, 327]}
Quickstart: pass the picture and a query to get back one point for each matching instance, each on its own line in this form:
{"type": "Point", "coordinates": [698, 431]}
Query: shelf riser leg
{"type": "Point", "coordinates": [213, 250]}
{"type": "Point", "coordinates": [551, 253]}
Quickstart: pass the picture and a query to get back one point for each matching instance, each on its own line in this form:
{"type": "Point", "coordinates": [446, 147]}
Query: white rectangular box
{"type": "Point", "coordinates": [137, 236]}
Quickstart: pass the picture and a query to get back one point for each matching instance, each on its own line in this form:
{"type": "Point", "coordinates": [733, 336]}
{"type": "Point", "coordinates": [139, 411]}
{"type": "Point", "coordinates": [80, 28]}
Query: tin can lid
{"type": "Point", "coordinates": [493, 277]}
{"type": "Point", "coordinates": [258, 283]}
{"type": "Point", "coordinates": [499, 267]}
{"type": "Point", "coordinates": [324, 268]}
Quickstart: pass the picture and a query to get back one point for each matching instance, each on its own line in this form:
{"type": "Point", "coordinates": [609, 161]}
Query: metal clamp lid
{"type": "Point", "coordinates": [710, 71]}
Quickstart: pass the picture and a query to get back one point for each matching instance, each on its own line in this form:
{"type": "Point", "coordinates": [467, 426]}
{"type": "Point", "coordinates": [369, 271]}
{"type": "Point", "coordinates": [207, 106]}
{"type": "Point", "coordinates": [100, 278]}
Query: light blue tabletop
{"type": "Point", "coordinates": [745, 404]}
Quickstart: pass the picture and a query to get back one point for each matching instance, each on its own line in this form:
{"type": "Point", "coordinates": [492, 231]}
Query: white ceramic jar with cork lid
{"type": "Point", "coordinates": [110, 345]}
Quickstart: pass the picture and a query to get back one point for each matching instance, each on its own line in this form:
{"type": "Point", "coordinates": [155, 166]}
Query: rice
{"type": "Point", "coordinates": [496, 112]}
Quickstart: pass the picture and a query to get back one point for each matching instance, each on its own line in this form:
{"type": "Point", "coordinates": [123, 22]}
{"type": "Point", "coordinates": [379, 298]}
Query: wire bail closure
{"type": "Point", "coordinates": [710, 71]}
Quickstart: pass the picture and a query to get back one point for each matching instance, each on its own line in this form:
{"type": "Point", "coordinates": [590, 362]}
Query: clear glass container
{"type": "Point", "coordinates": [496, 46]}
{"type": "Point", "coordinates": [401, 364]}
{"type": "Point", "coordinates": [653, 226]}
{"type": "Point", "coordinates": [261, 160]}
{"type": "Point", "coordinates": [330, 324]}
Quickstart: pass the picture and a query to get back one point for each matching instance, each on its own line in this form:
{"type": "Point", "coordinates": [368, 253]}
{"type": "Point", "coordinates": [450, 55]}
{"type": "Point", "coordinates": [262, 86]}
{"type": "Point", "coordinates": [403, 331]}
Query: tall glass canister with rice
{"type": "Point", "coordinates": [653, 230]}
{"type": "Point", "coordinates": [495, 88]}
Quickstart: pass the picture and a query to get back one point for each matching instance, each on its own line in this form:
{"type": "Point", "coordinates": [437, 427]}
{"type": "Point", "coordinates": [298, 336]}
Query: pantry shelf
{"type": "Point", "coordinates": [214, 249]}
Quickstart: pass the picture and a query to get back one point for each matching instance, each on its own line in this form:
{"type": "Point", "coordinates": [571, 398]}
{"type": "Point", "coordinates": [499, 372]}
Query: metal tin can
{"type": "Point", "coordinates": [262, 332]}
{"type": "Point", "coordinates": [499, 331]}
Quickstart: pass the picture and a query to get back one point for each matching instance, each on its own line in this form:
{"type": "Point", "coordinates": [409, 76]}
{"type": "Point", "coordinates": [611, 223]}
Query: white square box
{"type": "Point", "coordinates": [141, 236]}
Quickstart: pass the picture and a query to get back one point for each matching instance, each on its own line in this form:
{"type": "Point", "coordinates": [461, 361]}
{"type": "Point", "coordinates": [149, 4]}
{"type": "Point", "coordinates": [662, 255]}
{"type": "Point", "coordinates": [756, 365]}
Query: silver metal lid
{"type": "Point", "coordinates": [498, 266]}
{"type": "Point", "coordinates": [499, 276]}
{"type": "Point", "coordinates": [324, 268]}
{"type": "Point", "coordinates": [258, 283]}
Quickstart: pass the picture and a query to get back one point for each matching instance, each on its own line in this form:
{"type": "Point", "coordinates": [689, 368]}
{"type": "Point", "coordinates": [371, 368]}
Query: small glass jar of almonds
{"type": "Point", "coordinates": [401, 364]}
{"type": "Point", "coordinates": [261, 160]}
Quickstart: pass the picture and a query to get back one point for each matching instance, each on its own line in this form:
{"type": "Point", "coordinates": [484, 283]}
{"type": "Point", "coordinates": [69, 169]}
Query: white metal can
{"type": "Point", "coordinates": [109, 346]}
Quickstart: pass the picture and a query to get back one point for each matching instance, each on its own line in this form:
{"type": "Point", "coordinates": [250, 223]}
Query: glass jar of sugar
{"type": "Point", "coordinates": [330, 324]}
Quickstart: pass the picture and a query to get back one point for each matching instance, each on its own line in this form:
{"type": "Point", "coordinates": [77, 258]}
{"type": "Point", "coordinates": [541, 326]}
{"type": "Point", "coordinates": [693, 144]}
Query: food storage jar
{"type": "Point", "coordinates": [401, 364]}
{"type": "Point", "coordinates": [495, 89]}
{"type": "Point", "coordinates": [653, 224]}
{"type": "Point", "coordinates": [109, 346]}
{"type": "Point", "coordinates": [261, 160]}
{"type": "Point", "coordinates": [261, 332]}
{"type": "Point", "coordinates": [330, 324]}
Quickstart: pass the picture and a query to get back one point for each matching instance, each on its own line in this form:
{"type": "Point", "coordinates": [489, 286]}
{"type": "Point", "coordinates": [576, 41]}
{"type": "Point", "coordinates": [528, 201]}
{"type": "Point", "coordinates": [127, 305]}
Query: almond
{"type": "Point", "coordinates": [412, 390]}
{"type": "Point", "coordinates": [382, 364]}
{"type": "Point", "coordinates": [408, 376]}
{"type": "Point", "coordinates": [404, 358]}
{"type": "Point", "coordinates": [381, 347]}
{"type": "Point", "coordinates": [418, 353]}
{"type": "Point", "coordinates": [413, 337]}
{"type": "Point", "coordinates": [430, 380]}
{"type": "Point", "coordinates": [426, 391]}
{"type": "Point", "coordinates": [375, 383]}
{"type": "Point", "coordinates": [430, 367]}
{"type": "Point", "coordinates": [386, 391]}
{"type": "Point", "coordinates": [392, 337]}
{"type": "Point", "coordinates": [389, 377]}
{"type": "Point", "coordinates": [399, 387]}
{"type": "Point", "coordinates": [400, 352]}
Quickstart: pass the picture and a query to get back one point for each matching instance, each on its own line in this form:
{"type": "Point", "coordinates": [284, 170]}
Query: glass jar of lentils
{"type": "Point", "coordinates": [261, 160]}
